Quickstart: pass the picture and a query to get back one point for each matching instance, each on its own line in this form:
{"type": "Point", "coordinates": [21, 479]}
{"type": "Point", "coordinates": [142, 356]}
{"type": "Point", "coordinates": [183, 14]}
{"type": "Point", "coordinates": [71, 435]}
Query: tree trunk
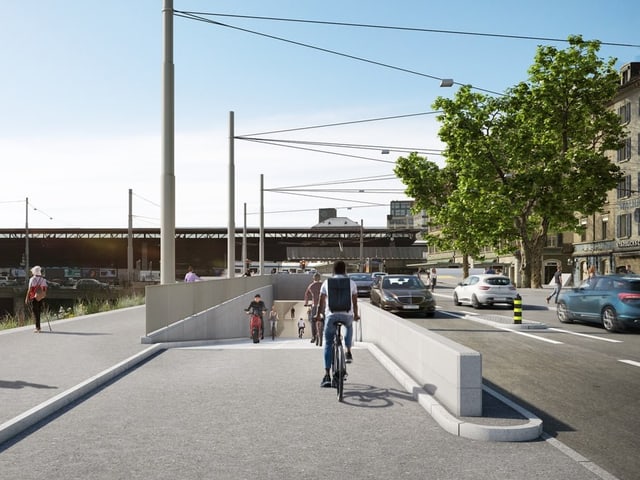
{"type": "Point", "coordinates": [532, 262]}
{"type": "Point", "coordinates": [465, 265]}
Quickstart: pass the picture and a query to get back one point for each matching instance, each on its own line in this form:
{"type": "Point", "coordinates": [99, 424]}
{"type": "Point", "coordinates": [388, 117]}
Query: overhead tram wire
{"type": "Point", "coordinates": [321, 151]}
{"type": "Point", "coordinates": [431, 151]}
{"type": "Point", "coordinates": [343, 181]}
{"type": "Point", "coordinates": [271, 212]}
{"type": "Point", "coordinates": [339, 124]}
{"type": "Point", "coordinates": [409, 29]}
{"type": "Point", "coordinates": [189, 16]}
{"type": "Point", "coordinates": [333, 198]}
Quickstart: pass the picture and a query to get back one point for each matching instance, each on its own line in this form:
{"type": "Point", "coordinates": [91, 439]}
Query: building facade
{"type": "Point", "coordinates": [611, 239]}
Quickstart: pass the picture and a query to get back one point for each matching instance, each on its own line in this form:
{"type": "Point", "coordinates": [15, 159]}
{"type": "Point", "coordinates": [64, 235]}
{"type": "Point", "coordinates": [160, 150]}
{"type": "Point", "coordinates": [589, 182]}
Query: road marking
{"type": "Point", "coordinates": [585, 335]}
{"type": "Point", "coordinates": [630, 362]}
{"type": "Point", "coordinates": [548, 340]}
{"type": "Point", "coordinates": [495, 325]}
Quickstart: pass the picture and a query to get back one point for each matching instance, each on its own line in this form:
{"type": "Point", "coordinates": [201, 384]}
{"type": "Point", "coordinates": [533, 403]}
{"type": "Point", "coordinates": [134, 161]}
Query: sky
{"type": "Point", "coordinates": [81, 90]}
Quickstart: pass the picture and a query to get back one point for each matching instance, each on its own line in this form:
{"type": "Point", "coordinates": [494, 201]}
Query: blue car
{"type": "Point", "coordinates": [612, 301]}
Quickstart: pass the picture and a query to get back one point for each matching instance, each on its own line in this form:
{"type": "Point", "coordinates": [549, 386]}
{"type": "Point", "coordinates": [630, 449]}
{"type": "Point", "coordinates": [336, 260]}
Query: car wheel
{"type": "Point", "coordinates": [429, 314]}
{"type": "Point", "coordinates": [610, 319]}
{"type": "Point", "coordinates": [474, 302]}
{"type": "Point", "coordinates": [563, 313]}
{"type": "Point", "coordinates": [455, 299]}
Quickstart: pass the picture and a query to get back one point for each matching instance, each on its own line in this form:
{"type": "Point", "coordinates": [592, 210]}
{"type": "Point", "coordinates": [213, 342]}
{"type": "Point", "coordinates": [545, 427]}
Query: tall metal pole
{"type": "Point", "coordinates": [361, 245]}
{"type": "Point", "coordinates": [130, 242]}
{"type": "Point", "coordinates": [168, 181]}
{"type": "Point", "coordinates": [26, 241]}
{"type": "Point", "coordinates": [244, 240]}
{"type": "Point", "coordinates": [261, 247]}
{"type": "Point", "coordinates": [231, 228]}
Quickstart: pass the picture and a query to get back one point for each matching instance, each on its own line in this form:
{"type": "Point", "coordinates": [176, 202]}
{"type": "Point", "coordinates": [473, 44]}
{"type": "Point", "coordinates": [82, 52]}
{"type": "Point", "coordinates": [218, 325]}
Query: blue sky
{"type": "Point", "coordinates": [81, 89]}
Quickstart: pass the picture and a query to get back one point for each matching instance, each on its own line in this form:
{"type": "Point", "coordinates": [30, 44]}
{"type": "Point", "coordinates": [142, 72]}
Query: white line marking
{"type": "Point", "coordinates": [585, 335]}
{"type": "Point", "coordinates": [630, 362]}
{"type": "Point", "coordinates": [548, 340]}
{"type": "Point", "coordinates": [493, 324]}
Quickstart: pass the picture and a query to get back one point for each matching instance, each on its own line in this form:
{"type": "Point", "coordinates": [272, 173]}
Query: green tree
{"type": "Point", "coordinates": [534, 160]}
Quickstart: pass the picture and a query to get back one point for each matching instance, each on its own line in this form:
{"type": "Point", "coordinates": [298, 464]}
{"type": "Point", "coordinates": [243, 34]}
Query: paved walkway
{"type": "Point", "coordinates": [227, 410]}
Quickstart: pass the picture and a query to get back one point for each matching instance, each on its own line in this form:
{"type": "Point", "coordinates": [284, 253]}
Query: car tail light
{"type": "Point", "coordinates": [484, 287]}
{"type": "Point", "coordinates": [629, 297]}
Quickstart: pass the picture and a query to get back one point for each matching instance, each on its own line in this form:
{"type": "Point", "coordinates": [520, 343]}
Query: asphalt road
{"type": "Point", "coordinates": [573, 376]}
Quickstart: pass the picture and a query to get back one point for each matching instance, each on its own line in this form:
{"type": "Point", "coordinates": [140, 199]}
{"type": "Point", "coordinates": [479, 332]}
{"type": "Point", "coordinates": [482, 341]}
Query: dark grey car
{"type": "Point", "coordinates": [363, 281]}
{"type": "Point", "coordinates": [403, 294]}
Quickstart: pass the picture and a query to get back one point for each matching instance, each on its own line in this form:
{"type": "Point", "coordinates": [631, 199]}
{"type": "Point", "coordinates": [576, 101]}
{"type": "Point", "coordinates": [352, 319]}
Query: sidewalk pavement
{"type": "Point", "coordinates": [102, 405]}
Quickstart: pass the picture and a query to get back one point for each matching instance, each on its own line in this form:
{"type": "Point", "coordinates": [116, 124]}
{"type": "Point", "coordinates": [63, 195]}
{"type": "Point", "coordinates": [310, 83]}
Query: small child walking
{"type": "Point", "coordinates": [301, 326]}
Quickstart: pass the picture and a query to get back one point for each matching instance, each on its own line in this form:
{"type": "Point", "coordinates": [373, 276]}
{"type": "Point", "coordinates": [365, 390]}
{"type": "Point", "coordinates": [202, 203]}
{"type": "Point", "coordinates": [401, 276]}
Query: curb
{"type": "Point", "coordinates": [508, 433]}
{"type": "Point", "coordinates": [19, 424]}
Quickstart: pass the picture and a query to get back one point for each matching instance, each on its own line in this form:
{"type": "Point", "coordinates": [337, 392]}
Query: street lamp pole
{"type": "Point", "coordinates": [244, 241]}
{"type": "Point", "coordinates": [261, 245]}
{"type": "Point", "coordinates": [130, 242]}
{"type": "Point", "coordinates": [168, 184]}
{"type": "Point", "coordinates": [231, 226]}
{"type": "Point", "coordinates": [26, 241]}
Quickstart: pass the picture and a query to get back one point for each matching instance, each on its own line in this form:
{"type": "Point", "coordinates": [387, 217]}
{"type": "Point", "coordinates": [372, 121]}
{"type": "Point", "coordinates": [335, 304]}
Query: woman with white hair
{"type": "Point", "coordinates": [35, 294]}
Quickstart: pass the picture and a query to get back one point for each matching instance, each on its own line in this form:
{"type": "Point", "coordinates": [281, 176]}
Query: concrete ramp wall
{"type": "Point", "coordinates": [451, 372]}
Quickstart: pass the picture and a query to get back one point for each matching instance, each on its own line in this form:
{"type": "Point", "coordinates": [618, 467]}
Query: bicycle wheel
{"type": "Point", "coordinates": [340, 369]}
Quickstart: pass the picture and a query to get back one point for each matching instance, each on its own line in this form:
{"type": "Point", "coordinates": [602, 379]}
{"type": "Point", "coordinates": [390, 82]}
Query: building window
{"type": "Point", "coordinates": [624, 112]}
{"type": "Point", "coordinates": [624, 225]}
{"type": "Point", "coordinates": [624, 187]}
{"type": "Point", "coordinates": [603, 228]}
{"type": "Point", "coordinates": [624, 153]}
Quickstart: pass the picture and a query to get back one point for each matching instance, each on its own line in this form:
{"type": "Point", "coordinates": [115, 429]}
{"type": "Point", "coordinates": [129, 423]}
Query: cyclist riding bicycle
{"type": "Point", "coordinates": [257, 307]}
{"type": "Point", "coordinates": [339, 300]}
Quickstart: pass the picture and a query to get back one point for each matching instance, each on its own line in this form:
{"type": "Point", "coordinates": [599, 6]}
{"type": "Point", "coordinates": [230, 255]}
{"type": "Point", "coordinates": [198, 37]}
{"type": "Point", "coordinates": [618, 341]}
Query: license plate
{"type": "Point", "coordinates": [411, 307]}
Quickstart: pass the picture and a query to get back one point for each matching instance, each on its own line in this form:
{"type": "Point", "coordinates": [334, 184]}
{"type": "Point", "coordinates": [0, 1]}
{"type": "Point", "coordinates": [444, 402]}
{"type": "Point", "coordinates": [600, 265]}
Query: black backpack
{"type": "Point", "coordinates": [339, 292]}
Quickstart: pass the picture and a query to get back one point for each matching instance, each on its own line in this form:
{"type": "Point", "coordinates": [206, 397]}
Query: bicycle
{"type": "Point", "coordinates": [254, 325]}
{"type": "Point", "coordinates": [338, 362]}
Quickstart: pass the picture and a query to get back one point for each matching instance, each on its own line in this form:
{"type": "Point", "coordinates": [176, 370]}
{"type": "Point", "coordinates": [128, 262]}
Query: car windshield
{"type": "Point", "coordinates": [361, 278]}
{"type": "Point", "coordinates": [498, 281]}
{"type": "Point", "coordinates": [403, 283]}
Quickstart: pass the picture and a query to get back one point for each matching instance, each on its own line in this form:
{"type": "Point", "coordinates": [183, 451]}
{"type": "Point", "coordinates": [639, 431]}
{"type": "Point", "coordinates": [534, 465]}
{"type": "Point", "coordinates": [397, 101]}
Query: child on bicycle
{"type": "Point", "coordinates": [346, 315]}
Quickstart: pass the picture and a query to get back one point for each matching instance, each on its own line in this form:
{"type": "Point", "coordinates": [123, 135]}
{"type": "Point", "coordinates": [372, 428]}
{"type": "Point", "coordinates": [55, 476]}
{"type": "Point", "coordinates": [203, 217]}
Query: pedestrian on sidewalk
{"type": "Point", "coordinates": [557, 286]}
{"type": "Point", "coordinates": [191, 276]}
{"type": "Point", "coordinates": [35, 295]}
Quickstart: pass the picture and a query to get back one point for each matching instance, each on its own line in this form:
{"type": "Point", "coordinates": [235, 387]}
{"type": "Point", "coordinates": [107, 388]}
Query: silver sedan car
{"type": "Point", "coordinates": [485, 289]}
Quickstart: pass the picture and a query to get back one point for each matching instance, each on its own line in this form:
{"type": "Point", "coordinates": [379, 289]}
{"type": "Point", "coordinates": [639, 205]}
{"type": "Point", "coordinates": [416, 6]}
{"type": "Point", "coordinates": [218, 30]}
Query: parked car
{"type": "Point", "coordinates": [612, 301]}
{"type": "Point", "coordinates": [403, 294]}
{"type": "Point", "coordinates": [485, 289]}
{"type": "Point", "coordinates": [5, 282]}
{"type": "Point", "coordinates": [363, 282]}
{"type": "Point", "coordinates": [90, 284]}
{"type": "Point", "coordinates": [52, 284]}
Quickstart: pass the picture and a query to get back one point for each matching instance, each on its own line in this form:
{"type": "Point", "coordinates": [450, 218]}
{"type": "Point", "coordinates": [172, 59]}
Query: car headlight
{"type": "Point", "coordinates": [389, 297]}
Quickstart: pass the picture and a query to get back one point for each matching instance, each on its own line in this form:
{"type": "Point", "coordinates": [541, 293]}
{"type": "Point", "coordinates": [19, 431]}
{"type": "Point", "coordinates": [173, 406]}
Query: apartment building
{"type": "Point", "coordinates": [611, 239]}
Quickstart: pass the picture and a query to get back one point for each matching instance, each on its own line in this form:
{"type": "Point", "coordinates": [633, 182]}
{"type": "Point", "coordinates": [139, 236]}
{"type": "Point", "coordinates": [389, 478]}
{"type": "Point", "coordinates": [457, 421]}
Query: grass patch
{"type": "Point", "coordinates": [79, 308]}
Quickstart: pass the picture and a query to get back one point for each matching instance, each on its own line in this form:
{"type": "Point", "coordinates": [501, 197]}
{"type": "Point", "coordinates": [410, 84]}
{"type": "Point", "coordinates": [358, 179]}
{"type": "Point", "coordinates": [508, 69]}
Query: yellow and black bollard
{"type": "Point", "coordinates": [517, 309]}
